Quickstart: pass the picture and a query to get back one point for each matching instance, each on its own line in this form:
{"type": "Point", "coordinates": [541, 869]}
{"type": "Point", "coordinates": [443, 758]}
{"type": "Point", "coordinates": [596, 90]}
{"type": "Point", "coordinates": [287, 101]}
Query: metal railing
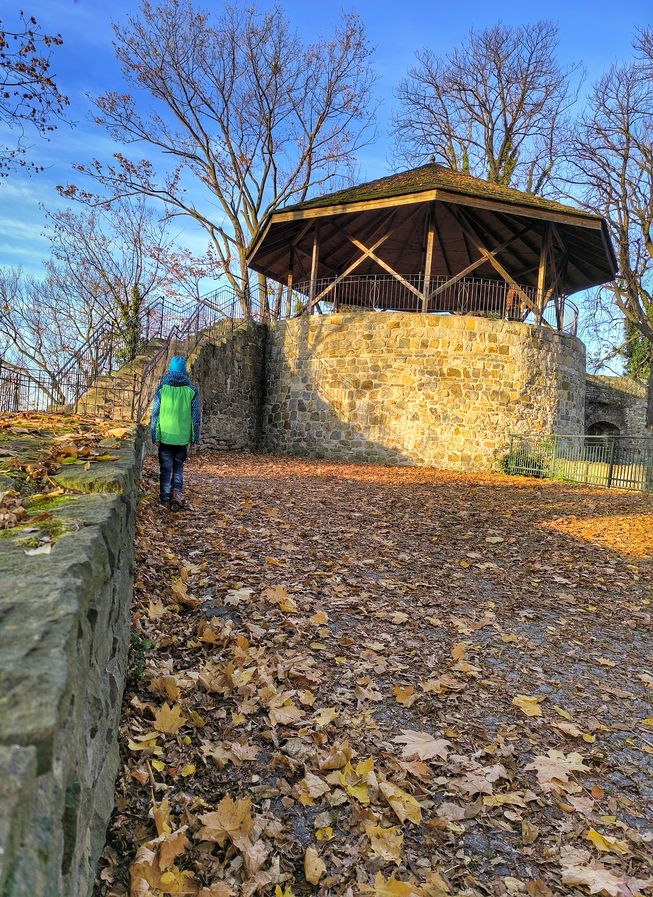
{"type": "Point", "coordinates": [618, 462]}
{"type": "Point", "coordinates": [215, 316]}
{"type": "Point", "coordinates": [113, 375]}
{"type": "Point", "coordinates": [468, 296]}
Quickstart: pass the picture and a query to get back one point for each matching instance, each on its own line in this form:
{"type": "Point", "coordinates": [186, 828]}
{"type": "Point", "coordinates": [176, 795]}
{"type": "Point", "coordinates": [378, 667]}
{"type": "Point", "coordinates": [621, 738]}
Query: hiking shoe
{"type": "Point", "coordinates": [165, 502]}
{"type": "Point", "coordinates": [177, 501]}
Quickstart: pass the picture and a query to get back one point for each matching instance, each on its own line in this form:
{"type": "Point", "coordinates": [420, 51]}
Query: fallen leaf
{"type": "Point", "coordinates": [422, 745]}
{"type": "Point", "coordinates": [385, 843]}
{"type": "Point", "coordinates": [405, 695]}
{"type": "Point", "coordinates": [606, 844]}
{"type": "Point", "coordinates": [231, 819]}
{"type": "Point", "coordinates": [528, 705]}
{"type": "Point", "coordinates": [554, 769]}
{"type": "Point", "coordinates": [169, 719]}
{"type": "Point", "coordinates": [404, 805]}
{"type": "Point", "coordinates": [314, 868]}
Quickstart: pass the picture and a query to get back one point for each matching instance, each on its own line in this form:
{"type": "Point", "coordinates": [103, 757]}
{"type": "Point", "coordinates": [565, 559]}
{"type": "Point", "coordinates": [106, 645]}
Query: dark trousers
{"type": "Point", "coordinates": [171, 464]}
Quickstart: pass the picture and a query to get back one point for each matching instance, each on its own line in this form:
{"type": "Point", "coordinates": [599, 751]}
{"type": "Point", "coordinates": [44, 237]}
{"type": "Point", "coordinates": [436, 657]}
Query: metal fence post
{"type": "Point", "coordinates": [611, 463]}
{"type": "Point", "coordinates": [554, 454]}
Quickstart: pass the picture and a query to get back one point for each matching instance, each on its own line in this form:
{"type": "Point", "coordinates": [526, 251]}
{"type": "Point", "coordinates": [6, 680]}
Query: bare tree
{"type": "Point", "coordinates": [250, 115]}
{"type": "Point", "coordinates": [29, 96]}
{"type": "Point", "coordinates": [492, 107]}
{"type": "Point", "coordinates": [117, 256]}
{"type": "Point", "coordinates": [40, 326]}
{"type": "Point", "coordinates": [106, 263]}
{"type": "Point", "coordinates": [611, 154]}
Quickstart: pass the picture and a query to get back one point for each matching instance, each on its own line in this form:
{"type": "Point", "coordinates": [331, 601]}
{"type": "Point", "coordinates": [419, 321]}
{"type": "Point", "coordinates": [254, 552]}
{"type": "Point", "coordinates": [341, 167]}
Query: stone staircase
{"type": "Point", "coordinates": [126, 393]}
{"type": "Point", "coordinates": [114, 395]}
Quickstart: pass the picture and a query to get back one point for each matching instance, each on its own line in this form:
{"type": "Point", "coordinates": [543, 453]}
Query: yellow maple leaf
{"type": "Point", "coordinates": [324, 716]}
{"type": "Point", "coordinates": [528, 705]}
{"type": "Point", "coordinates": [458, 650]}
{"type": "Point", "coordinates": [310, 788]}
{"type": "Point", "coordinates": [156, 609]}
{"type": "Point", "coordinates": [353, 780]}
{"type": "Point", "coordinates": [319, 619]}
{"type": "Point", "coordinates": [169, 719]}
{"type": "Point", "coordinates": [230, 819]}
{"type": "Point", "coordinates": [394, 888]}
{"type": "Point", "coordinates": [146, 742]}
{"type": "Point", "coordinates": [314, 867]}
{"type": "Point", "coordinates": [405, 695]}
{"type": "Point", "coordinates": [386, 843]}
{"type": "Point", "coordinates": [404, 805]}
{"type": "Point", "coordinates": [161, 815]}
{"type": "Point", "coordinates": [325, 833]}
{"type": "Point", "coordinates": [170, 848]}
{"type": "Point", "coordinates": [285, 713]}
{"type": "Point", "coordinates": [606, 844]}
{"type": "Point", "coordinates": [176, 881]}
{"type": "Point", "coordinates": [286, 892]}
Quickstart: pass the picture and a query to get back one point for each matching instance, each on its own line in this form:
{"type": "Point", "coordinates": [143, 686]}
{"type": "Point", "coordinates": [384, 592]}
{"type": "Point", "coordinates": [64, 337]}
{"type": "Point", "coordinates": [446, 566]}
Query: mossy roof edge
{"type": "Point", "coordinates": [433, 177]}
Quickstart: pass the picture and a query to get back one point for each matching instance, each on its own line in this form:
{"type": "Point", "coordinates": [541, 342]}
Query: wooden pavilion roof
{"type": "Point", "coordinates": [460, 217]}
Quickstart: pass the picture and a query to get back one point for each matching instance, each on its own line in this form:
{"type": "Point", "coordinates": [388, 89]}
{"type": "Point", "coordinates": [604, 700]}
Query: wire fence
{"type": "Point", "coordinates": [617, 462]}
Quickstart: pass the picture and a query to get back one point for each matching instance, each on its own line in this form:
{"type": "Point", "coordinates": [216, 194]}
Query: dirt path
{"type": "Point", "coordinates": [360, 680]}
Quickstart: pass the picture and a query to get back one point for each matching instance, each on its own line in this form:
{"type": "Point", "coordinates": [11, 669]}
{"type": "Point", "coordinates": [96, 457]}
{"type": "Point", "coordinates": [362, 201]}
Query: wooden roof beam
{"type": "Point", "coordinates": [469, 227]}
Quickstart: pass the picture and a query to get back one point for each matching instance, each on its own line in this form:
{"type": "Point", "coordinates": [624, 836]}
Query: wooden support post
{"type": "Point", "coordinates": [428, 261]}
{"type": "Point", "coordinates": [541, 273]}
{"type": "Point", "coordinates": [315, 260]}
{"type": "Point", "coordinates": [289, 285]}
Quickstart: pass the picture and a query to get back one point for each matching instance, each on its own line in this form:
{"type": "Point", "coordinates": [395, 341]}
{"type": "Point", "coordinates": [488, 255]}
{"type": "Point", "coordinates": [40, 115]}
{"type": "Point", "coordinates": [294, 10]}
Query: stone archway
{"type": "Point", "coordinates": [603, 428]}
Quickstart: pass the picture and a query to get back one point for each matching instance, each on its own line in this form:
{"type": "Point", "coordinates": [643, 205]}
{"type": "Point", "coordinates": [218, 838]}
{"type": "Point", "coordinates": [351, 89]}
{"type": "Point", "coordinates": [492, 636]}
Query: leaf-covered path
{"type": "Point", "coordinates": [361, 680]}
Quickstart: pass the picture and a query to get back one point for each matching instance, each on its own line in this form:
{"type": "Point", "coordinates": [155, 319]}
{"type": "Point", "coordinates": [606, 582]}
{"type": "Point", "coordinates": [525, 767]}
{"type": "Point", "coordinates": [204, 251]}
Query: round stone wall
{"type": "Point", "coordinates": [438, 390]}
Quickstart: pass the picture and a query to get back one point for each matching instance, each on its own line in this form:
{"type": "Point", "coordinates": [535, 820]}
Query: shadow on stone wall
{"type": "Point", "coordinates": [412, 389]}
{"type": "Point", "coordinates": [229, 372]}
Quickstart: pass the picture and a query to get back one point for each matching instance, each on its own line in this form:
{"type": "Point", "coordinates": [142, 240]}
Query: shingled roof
{"type": "Point", "coordinates": [433, 177]}
{"type": "Point", "coordinates": [510, 222]}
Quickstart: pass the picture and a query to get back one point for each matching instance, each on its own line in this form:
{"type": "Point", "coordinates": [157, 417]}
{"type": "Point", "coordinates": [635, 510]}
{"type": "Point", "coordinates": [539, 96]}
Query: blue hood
{"type": "Point", "coordinates": [173, 378]}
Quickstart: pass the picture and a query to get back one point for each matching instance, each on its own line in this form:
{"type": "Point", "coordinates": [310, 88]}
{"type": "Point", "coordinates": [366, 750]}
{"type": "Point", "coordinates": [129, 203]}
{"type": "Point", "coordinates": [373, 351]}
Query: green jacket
{"type": "Point", "coordinates": [175, 412]}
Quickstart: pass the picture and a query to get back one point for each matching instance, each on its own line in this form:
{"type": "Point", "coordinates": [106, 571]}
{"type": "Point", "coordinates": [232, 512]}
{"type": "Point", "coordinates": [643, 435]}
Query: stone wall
{"type": "Point", "coordinates": [229, 373]}
{"type": "Point", "coordinates": [620, 401]}
{"type": "Point", "coordinates": [64, 637]}
{"type": "Point", "coordinates": [417, 389]}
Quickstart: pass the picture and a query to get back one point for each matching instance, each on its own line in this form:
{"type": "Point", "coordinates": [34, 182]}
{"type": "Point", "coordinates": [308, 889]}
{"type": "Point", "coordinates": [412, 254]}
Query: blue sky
{"type": "Point", "coordinates": [592, 33]}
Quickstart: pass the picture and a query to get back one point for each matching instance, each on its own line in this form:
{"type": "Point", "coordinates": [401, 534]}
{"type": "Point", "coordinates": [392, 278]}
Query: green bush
{"type": "Point", "coordinates": [520, 463]}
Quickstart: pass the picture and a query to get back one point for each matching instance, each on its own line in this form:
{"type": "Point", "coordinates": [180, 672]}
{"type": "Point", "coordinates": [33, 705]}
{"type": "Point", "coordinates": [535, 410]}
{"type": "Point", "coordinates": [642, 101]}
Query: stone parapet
{"type": "Point", "coordinates": [64, 638]}
{"type": "Point", "coordinates": [404, 388]}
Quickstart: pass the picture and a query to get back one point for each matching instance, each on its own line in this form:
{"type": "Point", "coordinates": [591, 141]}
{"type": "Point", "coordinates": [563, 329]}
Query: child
{"type": "Point", "coordinates": [175, 423]}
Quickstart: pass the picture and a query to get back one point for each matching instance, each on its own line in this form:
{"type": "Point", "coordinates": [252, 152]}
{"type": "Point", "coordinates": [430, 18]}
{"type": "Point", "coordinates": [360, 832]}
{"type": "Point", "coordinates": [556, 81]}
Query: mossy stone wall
{"type": "Point", "coordinates": [64, 638]}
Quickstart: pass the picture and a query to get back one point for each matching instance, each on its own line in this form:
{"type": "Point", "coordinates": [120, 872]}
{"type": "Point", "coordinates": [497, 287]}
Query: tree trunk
{"type": "Point", "coordinates": [649, 403]}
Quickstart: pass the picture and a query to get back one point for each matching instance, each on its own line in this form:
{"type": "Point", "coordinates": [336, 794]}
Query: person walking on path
{"type": "Point", "coordinates": [175, 424]}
